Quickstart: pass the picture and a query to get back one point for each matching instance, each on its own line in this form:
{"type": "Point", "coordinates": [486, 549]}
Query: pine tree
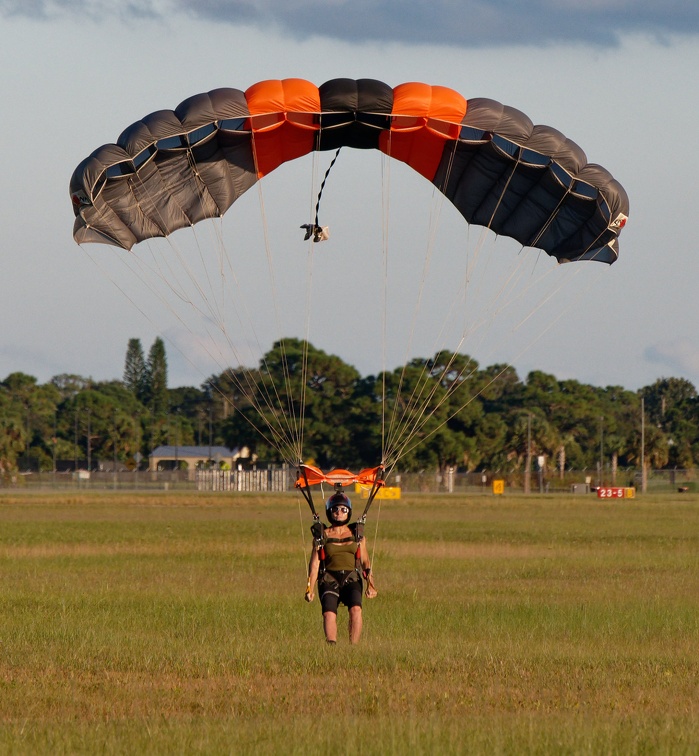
{"type": "Point", "coordinates": [157, 378]}
{"type": "Point", "coordinates": [135, 372]}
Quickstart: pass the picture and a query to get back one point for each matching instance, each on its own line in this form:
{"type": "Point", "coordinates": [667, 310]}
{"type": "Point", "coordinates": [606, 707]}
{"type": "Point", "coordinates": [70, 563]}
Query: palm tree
{"type": "Point", "coordinates": [656, 450]}
{"type": "Point", "coordinates": [616, 445]}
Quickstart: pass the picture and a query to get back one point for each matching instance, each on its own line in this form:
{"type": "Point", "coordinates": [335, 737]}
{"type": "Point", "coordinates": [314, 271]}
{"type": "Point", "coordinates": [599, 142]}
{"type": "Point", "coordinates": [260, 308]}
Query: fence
{"type": "Point", "coordinates": [281, 478]}
{"type": "Point", "coordinates": [243, 480]}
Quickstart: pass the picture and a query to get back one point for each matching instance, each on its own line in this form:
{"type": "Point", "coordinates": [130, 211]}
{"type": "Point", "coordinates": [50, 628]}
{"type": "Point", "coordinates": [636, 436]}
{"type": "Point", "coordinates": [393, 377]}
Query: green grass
{"type": "Point", "coordinates": [176, 624]}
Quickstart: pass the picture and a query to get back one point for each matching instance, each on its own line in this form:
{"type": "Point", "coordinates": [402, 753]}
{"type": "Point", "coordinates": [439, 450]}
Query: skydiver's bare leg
{"type": "Point", "coordinates": [355, 624]}
{"type": "Point", "coordinates": [330, 626]}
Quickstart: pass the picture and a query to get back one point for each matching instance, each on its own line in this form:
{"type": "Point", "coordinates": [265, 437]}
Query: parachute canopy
{"type": "Point", "coordinates": [173, 169]}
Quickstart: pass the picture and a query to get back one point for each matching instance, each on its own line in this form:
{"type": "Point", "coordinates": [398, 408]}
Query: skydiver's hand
{"type": "Point", "coordinates": [371, 592]}
{"type": "Point", "coordinates": [309, 596]}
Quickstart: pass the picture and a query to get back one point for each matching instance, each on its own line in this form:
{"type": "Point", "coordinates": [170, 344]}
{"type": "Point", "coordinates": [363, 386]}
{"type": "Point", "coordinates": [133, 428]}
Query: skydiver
{"type": "Point", "coordinates": [339, 574]}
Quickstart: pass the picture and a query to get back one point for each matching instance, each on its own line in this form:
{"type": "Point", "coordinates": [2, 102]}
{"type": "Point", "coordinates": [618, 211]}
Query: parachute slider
{"type": "Point", "coordinates": [312, 476]}
{"type": "Point", "coordinates": [319, 233]}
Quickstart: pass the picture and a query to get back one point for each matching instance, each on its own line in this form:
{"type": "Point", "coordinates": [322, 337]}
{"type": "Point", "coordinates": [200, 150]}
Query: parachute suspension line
{"type": "Point", "coordinates": [551, 217]}
{"type": "Point", "coordinates": [137, 268]}
{"type": "Point", "coordinates": [414, 408]}
{"type": "Point", "coordinates": [550, 295]}
{"type": "Point", "coordinates": [215, 310]}
{"type": "Point", "coordinates": [502, 193]}
{"type": "Point", "coordinates": [131, 263]}
{"type": "Point", "coordinates": [172, 281]}
{"type": "Point", "coordinates": [303, 539]}
{"type": "Point", "coordinates": [202, 194]}
{"type": "Point", "coordinates": [372, 558]}
{"type": "Point", "coordinates": [284, 440]}
{"type": "Point", "coordinates": [309, 293]}
{"type": "Point", "coordinates": [385, 213]}
{"type": "Point", "coordinates": [394, 422]}
{"type": "Point", "coordinates": [417, 401]}
{"type": "Point", "coordinates": [394, 428]}
{"type": "Point", "coordinates": [503, 297]}
{"type": "Point", "coordinates": [291, 422]}
{"type": "Point", "coordinates": [387, 425]}
{"type": "Point", "coordinates": [408, 446]}
{"type": "Point", "coordinates": [394, 425]}
{"type": "Point", "coordinates": [163, 270]}
{"type": "Point", "coordinates": [417, 411]}
{"type": "Point", "coordinates": [421, 415]}
{"type": "Point", "coordinates": [316, 233]}
{"type": "Point", "coordinates": [549, 325]}
{"type": "Point", "coordinates": [248, 386]}
{"type": "Point", "coordinates": [509, 285]}
{"type": "Point", "coordinates": [514, 288]}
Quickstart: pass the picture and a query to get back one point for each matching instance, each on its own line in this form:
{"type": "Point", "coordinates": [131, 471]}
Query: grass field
{"type": "Point", "coordinates": [167, 624]}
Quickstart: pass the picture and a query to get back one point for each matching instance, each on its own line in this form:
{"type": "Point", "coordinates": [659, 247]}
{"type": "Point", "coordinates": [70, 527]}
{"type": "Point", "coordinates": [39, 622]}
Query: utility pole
{"type": "Point", "coordinates": [528, 469]}
{"type": "Point", "coordinates": [601, 450]}
{"type": "Point", "coordinates": [644, 472]}
{"type": "Point", "coordinates": [54, 441]}
{"type": "Point", "coordinates": [89, 445]}
{"type": "Point", "coordinates": [211, 432]}
{"type": "Point", "coordinates": [116, 436]}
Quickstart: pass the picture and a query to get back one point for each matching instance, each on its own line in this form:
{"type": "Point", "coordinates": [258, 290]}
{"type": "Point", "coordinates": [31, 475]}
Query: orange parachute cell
{"type": "Point", "coordinates": [284, 120]}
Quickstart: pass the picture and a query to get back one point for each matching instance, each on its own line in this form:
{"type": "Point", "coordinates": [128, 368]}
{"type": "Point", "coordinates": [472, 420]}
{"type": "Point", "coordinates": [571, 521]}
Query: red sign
{"type": "Point", "coordinates": [616, 493]}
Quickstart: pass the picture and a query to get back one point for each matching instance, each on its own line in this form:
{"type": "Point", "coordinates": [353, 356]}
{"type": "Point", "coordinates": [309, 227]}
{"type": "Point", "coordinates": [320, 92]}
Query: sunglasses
{"type": "Point", "coordinates": [340, 508]}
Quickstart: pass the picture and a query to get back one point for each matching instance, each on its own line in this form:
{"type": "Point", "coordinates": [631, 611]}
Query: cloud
{"type": "Point", "coordinates": [461, 23]}
{"type": "Point", "coordinates": [679, 357]}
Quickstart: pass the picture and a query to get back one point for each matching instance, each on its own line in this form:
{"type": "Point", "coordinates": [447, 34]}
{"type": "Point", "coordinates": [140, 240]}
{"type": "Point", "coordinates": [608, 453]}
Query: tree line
{"type": "Point", "coordinates": [496, 421]}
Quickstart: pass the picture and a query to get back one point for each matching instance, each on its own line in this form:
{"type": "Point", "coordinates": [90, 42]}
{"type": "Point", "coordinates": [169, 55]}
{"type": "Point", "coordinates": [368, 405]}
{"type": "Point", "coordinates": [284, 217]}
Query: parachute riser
{"type": "Point", "coordinates": [375, 486]}
{"type": "Point", "coordinates": [307, 495]}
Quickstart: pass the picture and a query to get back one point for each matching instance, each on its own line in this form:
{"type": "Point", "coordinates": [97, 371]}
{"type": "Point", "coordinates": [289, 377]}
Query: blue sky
{"type": "Point", "coordinates": [618, 77]}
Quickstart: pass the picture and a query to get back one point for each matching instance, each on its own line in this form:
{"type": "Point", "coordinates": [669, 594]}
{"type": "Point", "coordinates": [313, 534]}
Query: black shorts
{"type": "Point", "coordinates": [337, 587]}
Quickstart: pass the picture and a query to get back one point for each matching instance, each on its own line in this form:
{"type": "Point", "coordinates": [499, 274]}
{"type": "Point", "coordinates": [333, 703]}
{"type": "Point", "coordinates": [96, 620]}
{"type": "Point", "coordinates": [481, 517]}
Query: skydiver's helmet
{"type": "Point", "coordinates": [338, 509]}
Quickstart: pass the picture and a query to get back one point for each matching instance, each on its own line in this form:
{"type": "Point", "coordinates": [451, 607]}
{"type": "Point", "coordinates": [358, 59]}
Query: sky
{"type": "Point", "coordinates": [616, 76]}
